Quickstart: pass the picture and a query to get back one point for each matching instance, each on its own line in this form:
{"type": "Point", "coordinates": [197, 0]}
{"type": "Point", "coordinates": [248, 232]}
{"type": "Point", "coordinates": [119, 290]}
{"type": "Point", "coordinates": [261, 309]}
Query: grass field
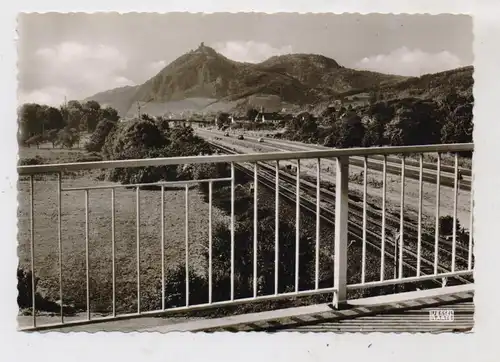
{"type": "Point", "coordinates": [73, 237]}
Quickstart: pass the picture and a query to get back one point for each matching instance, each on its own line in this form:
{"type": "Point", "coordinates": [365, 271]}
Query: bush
{"type": "Point", "coordinates": [350, 132]}
{"type": "Point", "coordinates": [89, 158]}
{"type": "Point", "coordinates": [35, 140]}
{"type": "Point", "coordinates": [446, 225]}
{"type": "Point", "coordinates": [24, 288]}
{"type": "Point", "coordinates": [25, 295]}
{"type": "Point", "coordinates": [135, 140]}
{"type": "Point", "coordinates": [31, 161]}
{"type": "Point", "coordinates": [163, 124]}
{"type": "Point", "coordinates": [67, 137]}
{"type": "Point", "coordinates": [133, 137]}
{"type": "Point", "coordinates": [141, 139]}
{"type": "Point", "coordinates": [99, 136]}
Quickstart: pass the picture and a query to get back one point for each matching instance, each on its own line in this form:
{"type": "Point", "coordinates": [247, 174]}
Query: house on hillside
{"type": "Point", "coordinates": [269, 117]}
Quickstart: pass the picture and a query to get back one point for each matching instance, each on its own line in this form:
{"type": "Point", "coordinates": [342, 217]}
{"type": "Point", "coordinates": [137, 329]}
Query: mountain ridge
{"type": "Point", "coordinates": [203, 80]}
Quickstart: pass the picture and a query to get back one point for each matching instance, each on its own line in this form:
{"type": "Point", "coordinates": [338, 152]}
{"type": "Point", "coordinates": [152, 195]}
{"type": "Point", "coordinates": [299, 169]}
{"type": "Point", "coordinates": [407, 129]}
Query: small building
{"type": "Point", "coordinates": [270, 117]}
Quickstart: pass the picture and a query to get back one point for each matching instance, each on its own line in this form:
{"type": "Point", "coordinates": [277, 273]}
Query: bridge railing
{"type": "Point", "coordinates": [366, 236]}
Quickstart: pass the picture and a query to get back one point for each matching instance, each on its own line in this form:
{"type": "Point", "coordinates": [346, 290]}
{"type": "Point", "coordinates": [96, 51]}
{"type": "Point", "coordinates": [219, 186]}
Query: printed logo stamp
{"type": "Point", "coordinates": [443, 315]}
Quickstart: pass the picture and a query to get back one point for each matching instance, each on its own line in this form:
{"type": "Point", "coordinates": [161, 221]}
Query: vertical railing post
{"type": "Point", "coordinates": [138, 245]}
{"type": "Point", "coordinates": [59, 238]}
{"type": "Point", "coordinates": [87, 263]}
{"type": "Point", "coordinates": [32, 249]}
{"type": "Point", "coordinates": [233, 185]}
{"type": "Point", "coordinates": [297, 228]}
{"type": "Point", "coordinates": [113, 250]}
{"type": "Point", "coordinates": [276, 228]}
{"type": "Point", "coordinates": [341, 223]}
{"type": "Point", "coordinates": [162, 234]}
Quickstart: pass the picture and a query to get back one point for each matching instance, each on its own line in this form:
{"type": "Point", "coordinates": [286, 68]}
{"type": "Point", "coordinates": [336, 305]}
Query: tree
{"type": "Point", "coordinates": [110, 114]}
{"type": "Point", "coordinates": [374, 133]}
{"type": "Point", "coordinates": [35, 140]}
{"type": "Point", "coordinates": [146, 117]}
{"type": "Point", "coordinates": [459, 127]}
{"type": "Point", "coordinates": [350, 131]}
{"type": "Point", "coordinates": [415, 123]}
{"type": "Point", "coordinates": [331, 138]}
{"type": "Point", "coordinates": [446, 225]}
{"type": "Point", "coordinates": [373, 97]}
{"type": "Point", "coordinates": [183, 142]}
{"type": "Point", "coordinates": [378, 115]}
{"type": "Point", "coordinates": [222, 119]}
{"type": "Point", "coordinates": [303, 127]}
{"type": "Point", "coordinates": [53, 118]}
{"type": "Point", "coordinates": [163, 123]}
{"type": "Point", "coordinates": [67, 137]}
{"type": "Point", "coordinates": [133, 140]}
{"type": "Point", "coordinates": [75, 104]}
{"type": "Point", "coordinates": [51, 136]}
{"type": "Point", "coordinates": [41, 117]}
{"type": "Point", "coordinates": [329, 112]}
{"type": "Point", "coordinates": [252, 113]}
{"type": "Point", "coordinates": [28, 121]}
{"type": "Point", "coordinates": [73, 114]}
{"type": "Point", "coordinates": [98, 138]}
{"type": "Point", "coordinates": [91, 111]}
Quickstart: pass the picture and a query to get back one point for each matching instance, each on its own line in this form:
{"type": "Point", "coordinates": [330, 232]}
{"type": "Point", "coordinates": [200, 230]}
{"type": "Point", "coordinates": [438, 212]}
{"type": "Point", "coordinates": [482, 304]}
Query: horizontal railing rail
{"type": "Point", "coordinates": [270, 156]}
{"type": "Point", "coordinates": [415, 254]}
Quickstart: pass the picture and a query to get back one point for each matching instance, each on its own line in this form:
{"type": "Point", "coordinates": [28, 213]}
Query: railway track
{"type": "Point", "coordinates": [390, 159]}
{"type": "Point", "coordinates": [375, 163]}
{"type": "Point", "coordinates": [374, 217]}
{"type": "Point", "coordinates": [373, 239]}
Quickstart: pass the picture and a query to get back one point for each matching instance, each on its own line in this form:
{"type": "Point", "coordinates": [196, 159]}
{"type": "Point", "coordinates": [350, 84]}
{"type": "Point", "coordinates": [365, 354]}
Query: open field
{"type": "Point", "coordinates": [100, 250]}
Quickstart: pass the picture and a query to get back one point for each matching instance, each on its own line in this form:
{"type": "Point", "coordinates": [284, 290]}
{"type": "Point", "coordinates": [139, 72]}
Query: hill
{"type": "Point", "coordinates": [205, 81]}
{"type": "Point", "coordinates": [119, 98]}
{"type": "Point", "coordinates": [435, 86]}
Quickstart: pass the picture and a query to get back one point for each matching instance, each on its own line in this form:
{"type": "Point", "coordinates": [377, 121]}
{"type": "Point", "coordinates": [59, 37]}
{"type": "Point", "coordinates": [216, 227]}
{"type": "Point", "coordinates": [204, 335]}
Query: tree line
{"type": "Point", "coordinates": [401, 122]}
{"type": "Point", "coordinates": [60, 126]}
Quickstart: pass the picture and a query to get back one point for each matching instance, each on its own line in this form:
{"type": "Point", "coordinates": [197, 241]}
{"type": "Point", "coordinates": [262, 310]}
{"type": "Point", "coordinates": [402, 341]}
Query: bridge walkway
{"type": "Point", "coordinates": [398, 313]}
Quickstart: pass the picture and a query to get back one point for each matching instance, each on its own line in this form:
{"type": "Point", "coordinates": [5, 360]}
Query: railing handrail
{"type": "Point", "coordinates": [248, 157]}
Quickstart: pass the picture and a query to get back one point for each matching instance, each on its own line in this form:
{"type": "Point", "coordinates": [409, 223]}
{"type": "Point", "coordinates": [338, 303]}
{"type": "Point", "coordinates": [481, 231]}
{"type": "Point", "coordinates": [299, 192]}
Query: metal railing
{"type": "Point", "coordinates": [350, 220]}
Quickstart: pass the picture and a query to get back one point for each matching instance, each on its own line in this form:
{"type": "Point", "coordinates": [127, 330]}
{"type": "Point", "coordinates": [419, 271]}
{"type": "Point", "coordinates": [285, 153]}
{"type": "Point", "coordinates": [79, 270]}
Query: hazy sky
{"type": "Point", "coordinates": [77, 55]}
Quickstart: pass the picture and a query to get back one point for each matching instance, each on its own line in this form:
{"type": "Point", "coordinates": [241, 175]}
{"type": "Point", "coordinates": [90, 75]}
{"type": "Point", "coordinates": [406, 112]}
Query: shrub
{"type": "Point", "coordinates": [135, 140]}
{"type": "Point", "coordinates": [142, 174]}
{"type": "Point", "coordinates": [67, 137]}
{"type": "Point", "coordinates": [89, 158]}
{"type": "Point", "coordinates": [133, 137]}
{"type": "Point", "coordinates": [350, 132]}
{"type": "Point", "coordinates": [24, 288]}
{"type": "Point", "coordinates": [99, 136]}
{"type": "Point", "coordinates": [144, 139]}
{"type": "Point", "coordinates": [446, 225]}
{"type": "Point", "coordinates": [35, 140]}
{"type": "Point", "coordinates": [163, 124]}
{"type": "Point", "coordinates": [31, 161]}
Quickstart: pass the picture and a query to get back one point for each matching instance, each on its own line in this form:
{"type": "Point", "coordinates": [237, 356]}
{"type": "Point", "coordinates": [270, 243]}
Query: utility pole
{"type": "Point", "coordinates": [139, 107]}
{"type": "Point", "coordinates": [138, 110]}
